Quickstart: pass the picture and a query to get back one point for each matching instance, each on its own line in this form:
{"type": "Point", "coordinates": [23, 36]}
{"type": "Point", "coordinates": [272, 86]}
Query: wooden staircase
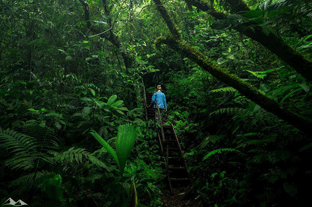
{"type": "Point", "coordinates": [177, 173]}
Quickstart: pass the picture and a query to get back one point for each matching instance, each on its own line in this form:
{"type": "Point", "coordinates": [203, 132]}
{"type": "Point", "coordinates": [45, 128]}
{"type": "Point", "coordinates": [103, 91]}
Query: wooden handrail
{"type": "Point", "coordinates": [145, 100]}
{"type": "Point", "coordinates": [175, 135]}
{"type": "Point", "coordinates": [161, 124]}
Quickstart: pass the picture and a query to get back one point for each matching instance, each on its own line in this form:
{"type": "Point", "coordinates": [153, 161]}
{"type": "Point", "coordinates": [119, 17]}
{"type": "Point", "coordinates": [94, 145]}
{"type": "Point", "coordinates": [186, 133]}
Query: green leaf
{"type": "Point", "coordinates": [86, 111]}
{"type": "Point", "coordinates": [305, 87]}
{"type": "Point", "coordinates": [92, 91]}
{"type": "Point", "coordinates": [112, 99]}
{"type": "Point", "coordinates": [109, 149]}
{"type": "Point", "coordinates": [289, 94]}
{"type": "Point", "coordinates": [291, 189]}
{"type": "Point", "coordinates": [306, 147]}
{"type": "Point", "coordinates": [68, 58]}
{"type": "Point", "coordinates": [123, 108]}
{"type": "Point", "coordinates": [58, 125]}
{"type": "Point", "coordinates": [258, 74]}
{"type": "Point", "coordinates": [125, 142]}
{"type": "Point", "coordinates": [220, 151]}
{"type": "Point", "coordinates": [117, 103]}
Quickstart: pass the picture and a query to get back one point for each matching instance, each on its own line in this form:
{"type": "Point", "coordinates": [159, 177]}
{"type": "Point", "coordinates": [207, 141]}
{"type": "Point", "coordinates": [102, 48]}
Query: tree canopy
{"type": "Point", "coordinates": [237, 77]}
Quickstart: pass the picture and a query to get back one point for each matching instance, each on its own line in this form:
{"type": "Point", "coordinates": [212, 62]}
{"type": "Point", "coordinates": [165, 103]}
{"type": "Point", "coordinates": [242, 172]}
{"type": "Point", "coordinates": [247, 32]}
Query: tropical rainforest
{"type": "Point", "coordinates": [237, 78]}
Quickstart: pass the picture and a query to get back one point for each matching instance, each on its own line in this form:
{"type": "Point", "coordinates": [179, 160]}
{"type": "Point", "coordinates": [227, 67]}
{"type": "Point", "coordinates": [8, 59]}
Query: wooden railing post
{"type": "Point", "coordinates": [161, 124]}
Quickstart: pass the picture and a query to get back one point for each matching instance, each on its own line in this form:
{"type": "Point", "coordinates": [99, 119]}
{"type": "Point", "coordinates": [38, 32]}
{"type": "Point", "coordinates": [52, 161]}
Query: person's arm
{"type": "Point", "coordinates": [165, 102]}
{"type": "Point", "coordinates": [153, 100]}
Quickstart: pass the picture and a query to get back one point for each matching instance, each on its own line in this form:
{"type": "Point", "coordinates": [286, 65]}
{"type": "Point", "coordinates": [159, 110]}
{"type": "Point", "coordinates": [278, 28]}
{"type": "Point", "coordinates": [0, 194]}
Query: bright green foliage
{"type": "Point", "coordinates": [53, 187]}
{"type": "Point", "coordinates": [109, 149]}
{"type": "Point", "coordinates": [67, 68]}
{"type": "Point", "coordinates": [24, 150]}
{"type": "Point", "coordinates": [124, 144]}
{"type": "Point", "coordinates": [220, 151]}
{"type": "Point", "coordinates": [126, 137]}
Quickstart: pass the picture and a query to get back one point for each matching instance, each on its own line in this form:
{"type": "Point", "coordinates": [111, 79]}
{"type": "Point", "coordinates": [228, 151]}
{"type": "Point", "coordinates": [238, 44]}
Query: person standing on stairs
{"type": "Point", "coordinates": [159, 98]}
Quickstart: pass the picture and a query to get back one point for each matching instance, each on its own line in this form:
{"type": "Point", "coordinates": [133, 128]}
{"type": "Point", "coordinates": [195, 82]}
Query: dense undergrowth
{"type": "Point", "coordinates": [70, 67]}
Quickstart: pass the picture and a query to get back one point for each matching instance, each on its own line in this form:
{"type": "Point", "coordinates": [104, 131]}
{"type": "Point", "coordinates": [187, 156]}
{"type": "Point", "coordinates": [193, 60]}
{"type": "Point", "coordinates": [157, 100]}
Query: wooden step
{"type": "Point", "coordinates": [177, 158]}
{"type": "Point", "coordinates": [168, 127]}
{"type": "Point", "coordinates": [170, 141]}
{"type": "Point", "coordinates": [173, 149]}
{"type": "Point", "coordinates": [171, 167]}
{"type": "Point", "coordinates": [180, 179]}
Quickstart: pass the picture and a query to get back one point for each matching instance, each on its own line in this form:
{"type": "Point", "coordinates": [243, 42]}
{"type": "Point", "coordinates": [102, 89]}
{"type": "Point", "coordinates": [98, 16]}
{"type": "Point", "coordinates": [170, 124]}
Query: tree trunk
{"type": "Point", "coordinates": [128, 61]}
{"type": "Point", "coordinates": [223, 75]}
{"type": "Point", "coordinates": [275, 44]}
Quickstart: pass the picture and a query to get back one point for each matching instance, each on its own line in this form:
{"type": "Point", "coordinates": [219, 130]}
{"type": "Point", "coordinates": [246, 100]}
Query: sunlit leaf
{"type": "Point", "coordinates": [125, 142]}
{"type": "Point", "coordinates": [109, 149]}
{"type": "Point", "coordinates": [112, 99]}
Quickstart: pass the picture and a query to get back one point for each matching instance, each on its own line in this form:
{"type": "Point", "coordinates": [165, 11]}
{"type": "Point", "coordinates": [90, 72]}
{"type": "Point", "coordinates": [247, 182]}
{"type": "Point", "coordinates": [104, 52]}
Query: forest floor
{"type": "Point", "coordinates": [178, 198]}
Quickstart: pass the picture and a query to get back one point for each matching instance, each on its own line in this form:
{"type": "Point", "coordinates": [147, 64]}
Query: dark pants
{"type": "Point", "coordinates": [159, 117]}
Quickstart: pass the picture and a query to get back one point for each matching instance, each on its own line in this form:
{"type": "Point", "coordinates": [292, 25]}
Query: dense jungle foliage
{"type": "Point", "coordinates": [237, 78]}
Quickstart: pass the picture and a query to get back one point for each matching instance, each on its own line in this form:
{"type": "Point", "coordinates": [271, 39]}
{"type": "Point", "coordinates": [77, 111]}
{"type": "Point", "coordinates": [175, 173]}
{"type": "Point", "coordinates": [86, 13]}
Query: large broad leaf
{"type": "Point", "coordinates": [118, 103]}
{"type": "Point", "coordinates": [125, 141]}
{"type": "Point", "coordinates": [109, 149]}
{"type": "Point", "coordinates": [86, 111]}
{"type": "Point", "coordinates": [112, 99]}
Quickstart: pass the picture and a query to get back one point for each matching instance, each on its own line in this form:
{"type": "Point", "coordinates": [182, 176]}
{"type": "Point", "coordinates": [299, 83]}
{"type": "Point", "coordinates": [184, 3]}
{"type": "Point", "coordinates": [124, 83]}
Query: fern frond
{"type": "Point", "coordinates": [77, 155]}
{"type": "Point", "coordinates": [219, 151]}
{"type": "Point", "coordinates": [225, 89]}
{"type": "Point", "coordinates": [45, 136]}
{"type": "Point", "coordinates": [15, 141]}
{"type": "Point", "coordinates": [27, 180]}
{"type": "Point", "coordinates": [211, 139]}
{"type": "Point", "coordinates": [94, 176]}
{"type": "Point", "coordinates": [230, 111]}
{"type": "Point", "coordinates": [23, 148]}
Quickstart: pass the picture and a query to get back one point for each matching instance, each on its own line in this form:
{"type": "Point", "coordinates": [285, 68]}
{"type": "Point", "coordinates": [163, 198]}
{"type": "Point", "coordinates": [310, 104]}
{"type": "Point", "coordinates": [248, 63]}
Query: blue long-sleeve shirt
{"type": "Point", "coordinates": [160, 98]}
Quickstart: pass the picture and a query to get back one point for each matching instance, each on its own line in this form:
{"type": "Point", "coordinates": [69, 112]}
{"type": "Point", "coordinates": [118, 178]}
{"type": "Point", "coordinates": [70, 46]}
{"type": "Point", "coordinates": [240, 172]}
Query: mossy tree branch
{"type": "Point", "coordinates": [232, 80]}
{"type": "Point", "coordinates": [162, 10]}
{"type": "Point", "coordinates": [245, 88]}
{"type": "Point", "coordinates": [272, 42]}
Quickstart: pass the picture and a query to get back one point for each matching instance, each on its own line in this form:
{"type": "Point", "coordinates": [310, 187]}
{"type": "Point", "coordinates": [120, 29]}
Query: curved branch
{"type": "Point", "coordinates": [232, 80]}
{"type": "Point", "coordinates": [174, 31]}
{"type": "Point", "coordinates": [275, 44]}
{"type": "Point", "coordinates": [222, 74]}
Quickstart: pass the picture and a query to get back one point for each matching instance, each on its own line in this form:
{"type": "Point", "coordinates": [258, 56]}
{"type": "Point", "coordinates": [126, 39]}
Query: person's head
{"type": "Point", "coordinates": [158, 87]}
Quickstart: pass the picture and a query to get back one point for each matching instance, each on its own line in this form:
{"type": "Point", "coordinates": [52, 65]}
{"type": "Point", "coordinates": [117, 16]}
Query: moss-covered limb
{"type": "Point", "coordinates": [232, 80]}
{"type": "Point", "coordinates": [162, 10]}
{"type": "Point", "coordinates": [275, 44]}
